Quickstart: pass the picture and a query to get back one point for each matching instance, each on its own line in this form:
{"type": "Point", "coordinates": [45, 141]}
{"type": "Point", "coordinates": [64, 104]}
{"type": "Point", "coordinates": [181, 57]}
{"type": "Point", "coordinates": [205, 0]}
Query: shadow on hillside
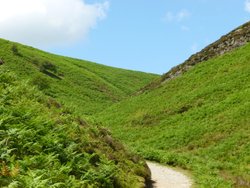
{"type": "Point", "coordinates": [50, 74]}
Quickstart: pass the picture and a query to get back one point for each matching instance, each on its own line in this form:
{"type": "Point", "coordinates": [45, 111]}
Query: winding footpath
{"type": "Point", "coordinates": [164, 177]}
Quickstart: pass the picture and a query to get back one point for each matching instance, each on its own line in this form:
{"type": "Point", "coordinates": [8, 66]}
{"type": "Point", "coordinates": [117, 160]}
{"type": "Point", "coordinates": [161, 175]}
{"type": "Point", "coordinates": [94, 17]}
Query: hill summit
{"type": "Point", "coordinates": [227, 43]}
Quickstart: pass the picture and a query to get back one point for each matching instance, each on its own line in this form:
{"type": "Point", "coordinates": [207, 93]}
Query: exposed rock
{"type": "Point", "coordinates": [226, 43]}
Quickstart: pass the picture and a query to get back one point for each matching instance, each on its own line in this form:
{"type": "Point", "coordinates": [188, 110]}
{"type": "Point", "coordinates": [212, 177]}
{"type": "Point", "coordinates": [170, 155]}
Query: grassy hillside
{"type": "Point", "coordinates": [87, 87]}
{"type": "Point", "coordinates": [199, 121]}
{"type": "Point", "coordinates": [227, 43]}
{"type": "Point", "coordinates": [43, 144]}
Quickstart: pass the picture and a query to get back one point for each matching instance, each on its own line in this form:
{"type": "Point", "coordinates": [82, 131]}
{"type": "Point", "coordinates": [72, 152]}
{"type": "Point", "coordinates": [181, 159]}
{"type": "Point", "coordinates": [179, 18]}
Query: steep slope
{"type": "Point", "coordinates": [227, 43]}
{"type": "Point", "coordinates": [87, 87]}
{"type": "Point", "coordinates": [43, 144]}
{"type": "Point", "coordinates": [199, 121]}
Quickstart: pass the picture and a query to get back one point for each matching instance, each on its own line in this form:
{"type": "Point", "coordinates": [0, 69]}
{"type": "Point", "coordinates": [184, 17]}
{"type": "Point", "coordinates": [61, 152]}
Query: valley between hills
{"type": "Point", "coordinates": [66, 122]}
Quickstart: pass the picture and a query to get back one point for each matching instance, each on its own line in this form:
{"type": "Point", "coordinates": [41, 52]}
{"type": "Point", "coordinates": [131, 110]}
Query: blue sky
{"type": "Point", "coordinates": [151, 36]}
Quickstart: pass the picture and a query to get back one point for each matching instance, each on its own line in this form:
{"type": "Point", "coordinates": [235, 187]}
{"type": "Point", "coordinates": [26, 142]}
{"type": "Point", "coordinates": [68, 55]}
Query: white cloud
{"type": "Point", "coordinates": [48, 22]}
{"type": "Point", "coordinates": [183, 14]}
{"type": "Point", "coordinates": [247, 6]}
{"type": "Point", "coordinates": [178, 16]}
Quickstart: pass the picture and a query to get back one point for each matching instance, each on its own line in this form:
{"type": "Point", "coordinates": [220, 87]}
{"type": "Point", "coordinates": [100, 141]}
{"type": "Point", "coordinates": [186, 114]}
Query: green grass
{"type": "Point", "coordinates": [199, 121]}
{"type": "Point", "coordinates": [44, 144]}
{"type": "Point", "coordinates": [85, 86]}
{"type": "Point", "coordinates": [45, 103]}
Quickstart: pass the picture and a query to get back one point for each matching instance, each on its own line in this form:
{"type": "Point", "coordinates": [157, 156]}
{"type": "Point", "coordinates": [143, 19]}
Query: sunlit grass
{"type": "Point", "coordinates": [85, 86]}
{"type": "Point", "coordinates": [198, 121]}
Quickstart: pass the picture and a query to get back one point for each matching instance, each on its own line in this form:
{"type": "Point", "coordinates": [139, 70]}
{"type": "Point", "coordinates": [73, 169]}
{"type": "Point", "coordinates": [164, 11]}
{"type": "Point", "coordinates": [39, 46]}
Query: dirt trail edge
{"type": "Point", "coordinates": [164, 177]}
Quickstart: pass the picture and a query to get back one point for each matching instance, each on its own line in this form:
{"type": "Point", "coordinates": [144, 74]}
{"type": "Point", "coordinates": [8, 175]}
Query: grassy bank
{"type": "Point", "coordinates": [44, 144]}
{"type": "Point", "coordinates": [198, 121]}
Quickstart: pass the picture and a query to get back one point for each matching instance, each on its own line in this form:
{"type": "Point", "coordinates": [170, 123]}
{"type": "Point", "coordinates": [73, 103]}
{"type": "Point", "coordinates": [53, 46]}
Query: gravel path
{"type": "Point", "coordinates": [164, 177]}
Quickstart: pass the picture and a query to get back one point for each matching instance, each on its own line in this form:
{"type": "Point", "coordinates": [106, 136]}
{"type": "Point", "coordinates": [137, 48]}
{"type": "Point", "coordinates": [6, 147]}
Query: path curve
{"type": "Point", "coordinates": [164, 177]}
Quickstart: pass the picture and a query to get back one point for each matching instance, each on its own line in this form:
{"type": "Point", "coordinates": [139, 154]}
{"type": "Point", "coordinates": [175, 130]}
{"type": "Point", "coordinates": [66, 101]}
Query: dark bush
{"type": "Point", "coordinates": [15, 50]}
{"type": "Point", "coordinates": [48, 66]}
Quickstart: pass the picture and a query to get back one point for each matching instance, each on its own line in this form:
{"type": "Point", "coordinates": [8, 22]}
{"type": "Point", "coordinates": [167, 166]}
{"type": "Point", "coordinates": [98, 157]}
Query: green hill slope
{"type": "Point", "coordinates": [227, 43]}
{"type": "Point", "coordinates": [44, 140]}
{"type": "Point", "coordinates": [43, 144]}
{"type": "Point", "coordinates": [87, 87]}
{"type": "Point", "coordinates": [200, 121]}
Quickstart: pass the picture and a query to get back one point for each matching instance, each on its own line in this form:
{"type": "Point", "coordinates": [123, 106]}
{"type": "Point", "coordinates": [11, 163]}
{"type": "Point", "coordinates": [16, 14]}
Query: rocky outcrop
{"type": "Point", "coordinates": [226, 43]}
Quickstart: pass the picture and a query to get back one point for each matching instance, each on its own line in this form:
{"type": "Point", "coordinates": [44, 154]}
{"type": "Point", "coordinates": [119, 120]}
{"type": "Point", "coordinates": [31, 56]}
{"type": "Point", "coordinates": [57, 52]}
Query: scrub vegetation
{"type": "Point", "coordinates": [45, 140]}
{"type": "Point", "coordinates": [53, 110]}
{"type": "Point", "coordinates": [43, 144]}
{"type": "Point", "coordinates": [198, 121]}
